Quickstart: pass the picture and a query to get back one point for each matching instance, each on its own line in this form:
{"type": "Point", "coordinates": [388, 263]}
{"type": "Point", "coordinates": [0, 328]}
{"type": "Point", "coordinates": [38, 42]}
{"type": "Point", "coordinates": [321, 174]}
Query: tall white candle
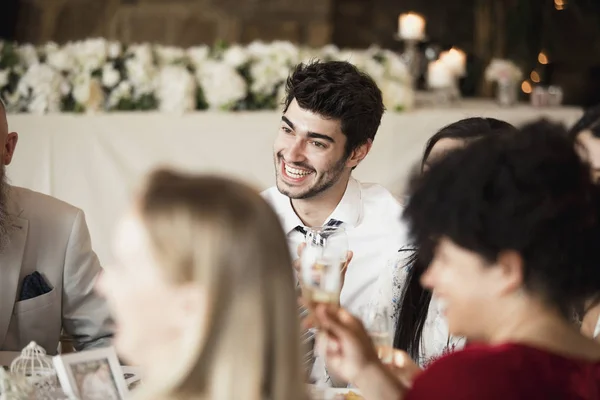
{"type": "Point", "coordinates": [456, 60]}
{"type": "Point", "coordinates": [411, 26]}
{"type": "Point", "coordinates": [439, 75]}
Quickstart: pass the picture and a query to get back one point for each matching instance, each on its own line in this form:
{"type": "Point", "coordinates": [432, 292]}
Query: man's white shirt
{"type": "Point", "coordinates": [371, 216]}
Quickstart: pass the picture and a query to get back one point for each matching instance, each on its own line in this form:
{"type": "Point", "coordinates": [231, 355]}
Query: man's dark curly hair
{"type": "Point", "coordinates": [526, 191]}
{"type": "Point", "coordinates": [338, 90]}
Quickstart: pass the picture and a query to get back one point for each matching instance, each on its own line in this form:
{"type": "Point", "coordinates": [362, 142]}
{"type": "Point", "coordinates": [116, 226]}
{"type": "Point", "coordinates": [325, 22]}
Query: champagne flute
{"type": "Point", "coordinates": [377, 322]}
{"type": "Point", "coordinates": [321, 265]}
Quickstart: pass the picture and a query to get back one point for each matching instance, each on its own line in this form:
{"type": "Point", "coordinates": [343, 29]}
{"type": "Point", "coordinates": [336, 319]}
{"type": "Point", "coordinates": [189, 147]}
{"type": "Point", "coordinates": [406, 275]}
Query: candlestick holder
{"type": "Point", "coordinates": [412, 57]}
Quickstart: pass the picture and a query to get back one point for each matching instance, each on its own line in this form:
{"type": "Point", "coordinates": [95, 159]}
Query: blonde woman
{"type": "Point", "coordinates": [203, 293]}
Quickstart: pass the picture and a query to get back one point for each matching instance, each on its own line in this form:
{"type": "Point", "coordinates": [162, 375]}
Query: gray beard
{"type": "Point", "coordinates": [6, 223]}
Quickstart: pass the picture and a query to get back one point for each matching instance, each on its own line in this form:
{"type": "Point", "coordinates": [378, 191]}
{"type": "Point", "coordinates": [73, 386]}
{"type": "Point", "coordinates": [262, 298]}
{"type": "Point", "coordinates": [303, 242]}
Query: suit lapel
{"type": "Point", "coordinates": [11, 259]}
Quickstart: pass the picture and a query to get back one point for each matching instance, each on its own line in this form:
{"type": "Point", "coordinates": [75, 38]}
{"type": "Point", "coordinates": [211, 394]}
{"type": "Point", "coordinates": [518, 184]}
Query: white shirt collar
{"type": "Point", "coordinates": [348, 210]}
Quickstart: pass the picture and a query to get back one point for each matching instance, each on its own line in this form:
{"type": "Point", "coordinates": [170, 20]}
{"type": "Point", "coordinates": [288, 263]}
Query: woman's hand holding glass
{"type": "Point", "coordinates": [350, 354]}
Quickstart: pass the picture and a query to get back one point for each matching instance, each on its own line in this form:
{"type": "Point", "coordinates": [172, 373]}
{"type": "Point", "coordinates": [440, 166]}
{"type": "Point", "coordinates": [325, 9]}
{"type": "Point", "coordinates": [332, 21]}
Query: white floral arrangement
{"type": "Point", "coordinates": [503, 71]}
{"type": "Point", "coordinates": [97, 75]}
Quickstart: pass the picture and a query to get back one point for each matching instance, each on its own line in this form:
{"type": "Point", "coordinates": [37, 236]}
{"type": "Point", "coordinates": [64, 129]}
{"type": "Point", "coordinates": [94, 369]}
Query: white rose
{"type": "Point", "coordinates": [4, 77]}
{"type": "Point", "coordinates": [110, 76]}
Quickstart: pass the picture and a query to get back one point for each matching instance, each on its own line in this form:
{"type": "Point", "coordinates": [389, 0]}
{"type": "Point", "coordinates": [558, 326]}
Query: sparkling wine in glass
{"type": "Point", "coordinates": [321, 265]}
{"type": "Point", "coordinates": [377, 321]}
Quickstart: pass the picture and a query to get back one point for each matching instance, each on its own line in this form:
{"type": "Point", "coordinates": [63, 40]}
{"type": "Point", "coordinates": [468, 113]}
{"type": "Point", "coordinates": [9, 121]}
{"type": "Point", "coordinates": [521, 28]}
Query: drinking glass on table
{"type": "Point", "coordinates": [321, 265]}
{"type": "Point", "coordinates": [377, 322]}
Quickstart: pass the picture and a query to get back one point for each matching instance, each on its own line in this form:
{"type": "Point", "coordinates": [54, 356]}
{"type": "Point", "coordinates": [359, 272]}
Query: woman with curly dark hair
{"type": "Point", "coordinates": [513, 224]}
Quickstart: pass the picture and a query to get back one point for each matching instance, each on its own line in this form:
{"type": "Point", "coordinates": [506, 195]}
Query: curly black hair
{"type": "Point", "coordinates": [590, 120]}
{"type": "Point", "coordinates": [526, 191]}
{"type": "Point", "coordinates": [338, 90]}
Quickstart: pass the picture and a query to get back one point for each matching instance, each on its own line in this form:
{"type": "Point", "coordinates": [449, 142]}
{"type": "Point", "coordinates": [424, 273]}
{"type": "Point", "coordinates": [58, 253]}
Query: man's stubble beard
{"type": "Point", "coordinates": [335, 173]}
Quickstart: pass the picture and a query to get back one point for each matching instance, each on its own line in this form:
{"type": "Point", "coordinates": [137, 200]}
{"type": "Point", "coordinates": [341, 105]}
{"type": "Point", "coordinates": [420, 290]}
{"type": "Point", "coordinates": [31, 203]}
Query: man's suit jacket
{"type": "Point", "coordinates": [51, 237]}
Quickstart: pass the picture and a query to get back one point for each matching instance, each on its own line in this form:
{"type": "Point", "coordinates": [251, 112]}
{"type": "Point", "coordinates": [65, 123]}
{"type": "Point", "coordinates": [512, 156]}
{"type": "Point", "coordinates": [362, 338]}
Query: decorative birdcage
{"type": "Point", "coordinates": [13, 387]}
{"type": "Point", "coordinates": [36, 367]}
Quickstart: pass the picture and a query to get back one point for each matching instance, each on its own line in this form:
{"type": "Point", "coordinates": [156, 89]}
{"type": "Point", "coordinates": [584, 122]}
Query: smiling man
{"type": "Point", "coordinates": [331, 115]}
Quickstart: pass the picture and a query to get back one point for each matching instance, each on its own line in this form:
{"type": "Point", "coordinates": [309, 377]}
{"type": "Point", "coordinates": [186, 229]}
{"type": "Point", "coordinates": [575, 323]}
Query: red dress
{"type": "Point", "coordinates": [508, 371]}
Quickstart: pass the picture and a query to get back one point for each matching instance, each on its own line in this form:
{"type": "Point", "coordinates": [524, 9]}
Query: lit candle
{"type": "Point", "coordinates": [439, 75]}
{"type": "Point", "coordinates": [411, 26]}
{"type": "Point", "coordinates": [456, 60]}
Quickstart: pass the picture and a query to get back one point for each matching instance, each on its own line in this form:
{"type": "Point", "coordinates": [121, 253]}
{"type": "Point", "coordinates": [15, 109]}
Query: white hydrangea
{"type": "Point", "coordinates": [141, 71]}
{"type": "Point", "coordinates": [308, 54]}
{"type": "Point", "coordinates": [142, 53]}
{"type": "Point", "coordinates": [110, 76]}
{"type": "Point", "coordinates": [176, 89]}
{"type": "Point", "coordinates": [397, 96]}
{"type": "Point", "coordinates": [123, 91]}
{"type": "Point", "coordinates": [81, 88]}
{"type": "Point", "coordinates": [284, 53]}
{"type": "Point", "coordinates": [278, 52]}
{"type": "Point", "coordinates": [330, 51]}
{"type": "Point", "coordinates": [4, 77]}
{"type": "Point", "coordinates": [28, 54]}
{"type": "Point", "coordinates": [395, 68]}
{"type": "Point", "coordinates": [167, 55]}
{"type": "Point", "coordinates": [41, 85]}
{"type": "Point", "coordinates": [198, 55]}
{"type": "Point", "coordinates": [258, 49]}
{"type": "Point", "coordinates": [114, 50]}
{"type": "Point", "coordinates": [221, 84]}
{"type": "Point", "coordinates": [58, 57]}
{"type": "Point", "coordinates": [236, 56]}
{"type": "Point", "coordinates": [89, 55]}
{"type": "Point", "coordinates": [373, 68]}
{"type": "Point", "coordinates": [267, 76]}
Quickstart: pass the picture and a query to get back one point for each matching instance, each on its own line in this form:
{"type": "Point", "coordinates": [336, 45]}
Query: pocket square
{"type": "Point", "coordinates": [34, 285]}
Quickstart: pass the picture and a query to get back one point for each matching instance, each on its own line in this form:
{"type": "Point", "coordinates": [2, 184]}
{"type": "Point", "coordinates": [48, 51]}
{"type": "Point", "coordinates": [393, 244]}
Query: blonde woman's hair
{"type": "Point", "coordinates": [224, 236]}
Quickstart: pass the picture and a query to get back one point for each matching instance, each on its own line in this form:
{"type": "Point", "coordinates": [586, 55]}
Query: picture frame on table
{"type": "Point", "coordinates": [91, 375]}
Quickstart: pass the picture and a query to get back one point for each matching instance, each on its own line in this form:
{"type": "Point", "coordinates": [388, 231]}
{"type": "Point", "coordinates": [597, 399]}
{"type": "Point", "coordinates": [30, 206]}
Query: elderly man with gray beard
{"type": "Point", "coordinates": [47, 269]}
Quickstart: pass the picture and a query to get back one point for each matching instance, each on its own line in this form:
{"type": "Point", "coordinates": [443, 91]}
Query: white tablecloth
{"type": "Point", "coordinates": [95, 162]}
